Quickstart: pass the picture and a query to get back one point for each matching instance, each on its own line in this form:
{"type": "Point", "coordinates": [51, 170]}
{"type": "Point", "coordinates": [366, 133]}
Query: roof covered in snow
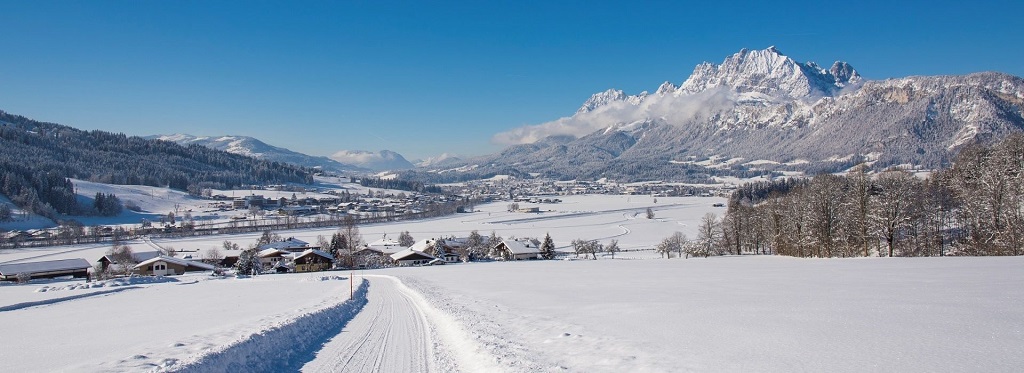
{"type": "Point", "coordinates": [138, 256]}
{"type": "Point", "coordinates": [314, 252]}
{"type": "Point", "coordinates": [272, 252]}
{"type": "Point", "coordinates": [384, 242]}
{"type": "Point", "coordinates": [519, 247]}
{"type": "Point", "coordinates": [45, 266]}
{"type": "Point", "coordinates": [410, 254]}
{"type": "Point", "coordinates": [289, 244]}
{"type": "Point", "coordinates": [423, 245]}
{"type": "Point", "coordinates": [386, 246]}
{"type": "Point", "coordinates": [181, 262]}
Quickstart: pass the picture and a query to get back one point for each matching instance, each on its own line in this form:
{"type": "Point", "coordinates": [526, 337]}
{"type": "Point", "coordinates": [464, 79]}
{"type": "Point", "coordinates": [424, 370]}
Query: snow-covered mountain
{"type": "Point", "coordinates": [255, 148]}
{"type": "Point", "coordinates": [762, 109]}
{"type": "Point", "coordinates": [383, 160]}
{"type": "Point", "coordinates": [445, 159]}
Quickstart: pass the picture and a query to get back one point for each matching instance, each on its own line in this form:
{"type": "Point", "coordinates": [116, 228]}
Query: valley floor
{"type": "Point", "coordinates": [728, 314]}
{"type": "Point", "coordinates": [636, 312]}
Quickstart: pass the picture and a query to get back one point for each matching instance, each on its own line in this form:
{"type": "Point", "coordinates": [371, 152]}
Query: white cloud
{"type": "Point", "coordinates": [671, 108]}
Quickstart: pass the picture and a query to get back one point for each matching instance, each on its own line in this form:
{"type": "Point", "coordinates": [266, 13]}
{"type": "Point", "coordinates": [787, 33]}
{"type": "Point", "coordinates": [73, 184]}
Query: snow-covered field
{"type": "Point", "coordinates": [597, 217]}
{"type": "Point", "coordinates": [636, 313]}
{"type": "Point", "coordinates": [738, 314]}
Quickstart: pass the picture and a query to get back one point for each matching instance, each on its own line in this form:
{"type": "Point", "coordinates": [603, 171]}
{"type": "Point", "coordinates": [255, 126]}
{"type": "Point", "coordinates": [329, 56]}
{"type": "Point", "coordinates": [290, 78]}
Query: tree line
{"type": "Point", "coordinates": [975, 207]}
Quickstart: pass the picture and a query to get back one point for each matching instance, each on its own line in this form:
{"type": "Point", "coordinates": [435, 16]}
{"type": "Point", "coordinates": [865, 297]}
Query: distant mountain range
{"type": "Point", "coordinates": [760, 111]}
{"type": "Point", "coordinates": [341, 161]}
{"type": "Point", "coordinates": [252, 147]}
{"type": "Point", "coordinates": [384, 160]}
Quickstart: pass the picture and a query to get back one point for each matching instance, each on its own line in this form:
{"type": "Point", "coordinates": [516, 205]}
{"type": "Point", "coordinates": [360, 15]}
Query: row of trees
{"type": "Point", "coordinates": [592, 247]}
{"type": "Point", "coordinates": [976, 207]}
{"type": "Point", "coordinates": [107, 204]}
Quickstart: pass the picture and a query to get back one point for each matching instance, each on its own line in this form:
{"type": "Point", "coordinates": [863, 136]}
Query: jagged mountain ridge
{"type": "Point", "coordinates": [769, 110]}
{"type": "Point", "coordinates": [252, 147]}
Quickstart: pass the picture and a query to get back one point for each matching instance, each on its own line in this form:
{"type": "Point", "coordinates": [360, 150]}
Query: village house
{"type": "Point", "coordinates": [449, 249]}
{"type": "Point", "coordinates": [517, 249]}
{"type": "Point", "coordinates": [169, 266]}
{"type": "Point", "coordinates": [313, 260]}
{"type": "Point", "coordinates": [137, 257]}
{"type": "Point", "coordinates": [271, 257]}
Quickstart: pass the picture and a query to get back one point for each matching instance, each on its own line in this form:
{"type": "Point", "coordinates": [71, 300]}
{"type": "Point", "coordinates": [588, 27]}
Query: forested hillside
{"type": "Point", "coordinates": [37, 158]}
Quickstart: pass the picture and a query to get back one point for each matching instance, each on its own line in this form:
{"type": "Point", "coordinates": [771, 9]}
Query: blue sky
{"type": "Point", "coordinates": [425, 78]}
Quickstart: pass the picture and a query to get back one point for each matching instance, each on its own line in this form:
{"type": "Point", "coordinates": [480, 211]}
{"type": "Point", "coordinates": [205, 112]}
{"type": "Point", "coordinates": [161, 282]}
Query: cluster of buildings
{"type": "Point", "coordinates": [290, 255]}
{"type": "Point", "coordinates": [330, 203]}
{"type": "Point", "coordinates": [546, 191]}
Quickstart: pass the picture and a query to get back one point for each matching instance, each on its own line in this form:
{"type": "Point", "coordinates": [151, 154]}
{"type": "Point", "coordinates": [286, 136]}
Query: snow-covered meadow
{"type": "Point", "coordinates": [633, 313]}
{"type": "Point", "coordinates": [738, 314]}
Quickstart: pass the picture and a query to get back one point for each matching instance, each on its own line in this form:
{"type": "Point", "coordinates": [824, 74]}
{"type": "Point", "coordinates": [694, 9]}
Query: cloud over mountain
{"type": "Point", "coordinates": [377, 161]}
{"type": "Point", "coordinates": [759, 77]}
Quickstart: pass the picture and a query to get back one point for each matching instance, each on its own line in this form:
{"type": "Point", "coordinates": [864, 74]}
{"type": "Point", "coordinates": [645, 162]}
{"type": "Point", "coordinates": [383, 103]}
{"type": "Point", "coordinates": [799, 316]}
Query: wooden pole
{"type": "Point", "coordinates": [351, 285]}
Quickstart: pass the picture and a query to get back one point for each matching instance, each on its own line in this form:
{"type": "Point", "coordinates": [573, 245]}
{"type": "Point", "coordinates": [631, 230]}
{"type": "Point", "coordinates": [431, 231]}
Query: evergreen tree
{"type": "Point", "coordinates": [547, 249]}
{"type": "Point", "coordinates": [5, 212]}
{"type": "Point", "coordinates": [249, 263]}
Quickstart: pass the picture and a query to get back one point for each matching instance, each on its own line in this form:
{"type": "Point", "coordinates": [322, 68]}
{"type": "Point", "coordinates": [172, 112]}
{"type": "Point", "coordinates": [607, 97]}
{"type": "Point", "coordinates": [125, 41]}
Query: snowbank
{"type": "Point", "coordinates": [285, 347]}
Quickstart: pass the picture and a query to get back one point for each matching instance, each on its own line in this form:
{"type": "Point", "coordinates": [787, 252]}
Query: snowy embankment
{"type": "Point", "coordinates": [165, 325]}
{"type": "Point", "coordinates": [284, 347]}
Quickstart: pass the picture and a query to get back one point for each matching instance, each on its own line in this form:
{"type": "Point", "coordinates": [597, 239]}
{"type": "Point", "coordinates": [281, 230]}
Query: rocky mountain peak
{"type": "Point", "coordinates": [666, 88]}
{"type": "Point", "coordinates": [769, 72]}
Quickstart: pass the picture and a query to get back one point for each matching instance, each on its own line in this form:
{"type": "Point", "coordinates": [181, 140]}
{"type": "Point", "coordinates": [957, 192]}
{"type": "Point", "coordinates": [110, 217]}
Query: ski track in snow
{"type": "Point", "coordinates": [390, 334]}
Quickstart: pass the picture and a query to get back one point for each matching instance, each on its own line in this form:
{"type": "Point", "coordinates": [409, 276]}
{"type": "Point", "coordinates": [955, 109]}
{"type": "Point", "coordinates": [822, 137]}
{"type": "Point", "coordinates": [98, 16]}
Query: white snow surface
{"type": "Point", "coordinates": [155, 326]}
{"type": "Point", "coordinates": [737, 314]}
{"type": "Point", "coordinates": [633, 313]}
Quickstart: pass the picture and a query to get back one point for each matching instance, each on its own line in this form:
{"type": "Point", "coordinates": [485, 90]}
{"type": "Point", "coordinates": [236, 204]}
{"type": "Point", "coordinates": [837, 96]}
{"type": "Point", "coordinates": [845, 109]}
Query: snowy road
{"type": "Point", "coordinates": [391, 334]}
